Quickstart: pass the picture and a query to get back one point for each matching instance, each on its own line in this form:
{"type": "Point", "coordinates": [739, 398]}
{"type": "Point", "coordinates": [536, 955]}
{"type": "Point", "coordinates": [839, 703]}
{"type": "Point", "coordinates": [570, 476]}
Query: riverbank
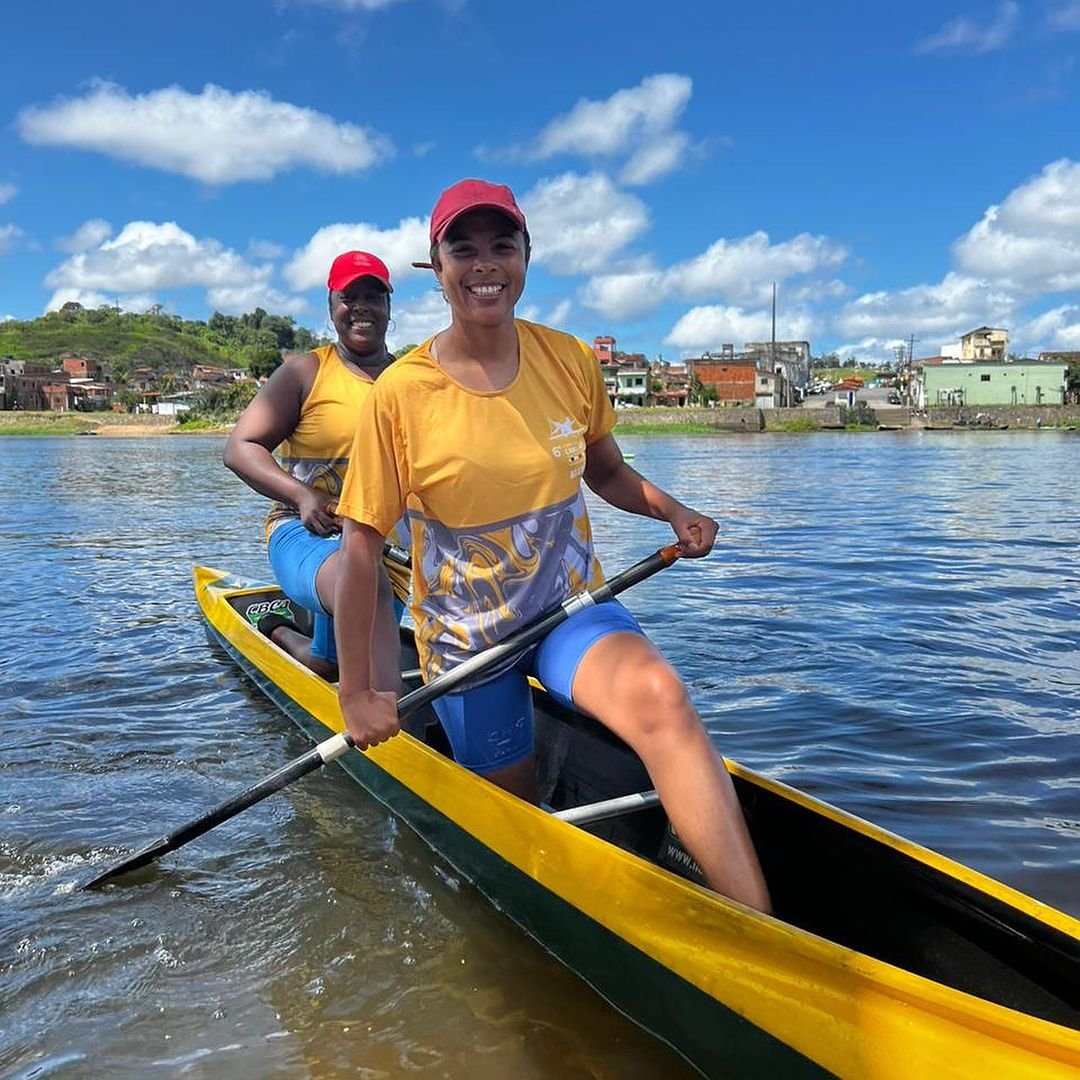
{"type": "Point", "coordinates": [104, 424]}
{"type": "Point", "coordinates": [641, 421]}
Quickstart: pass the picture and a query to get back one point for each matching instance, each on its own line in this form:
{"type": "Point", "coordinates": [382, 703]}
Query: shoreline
{"type": "Point", "coordinates": [640, 421]}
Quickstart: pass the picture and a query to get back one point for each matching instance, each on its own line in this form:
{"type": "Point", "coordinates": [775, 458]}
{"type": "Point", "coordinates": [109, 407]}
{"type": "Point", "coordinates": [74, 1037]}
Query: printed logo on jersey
{"type": "Point", "coordinates": [568, 439]}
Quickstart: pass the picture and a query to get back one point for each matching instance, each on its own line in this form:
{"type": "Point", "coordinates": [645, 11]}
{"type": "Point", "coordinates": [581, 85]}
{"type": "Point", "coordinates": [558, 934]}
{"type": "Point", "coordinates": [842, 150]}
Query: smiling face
{"type": "Point", "coordinates": [481, 267]}
{"type": "Point", "coordinates": [360, 313]}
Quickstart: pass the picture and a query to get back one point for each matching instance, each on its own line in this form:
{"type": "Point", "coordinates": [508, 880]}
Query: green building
{"type": "Point", "coordinates": [997, 382]}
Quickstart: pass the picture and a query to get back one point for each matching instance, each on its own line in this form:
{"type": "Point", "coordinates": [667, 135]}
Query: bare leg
{"type": "Point", "coordinates": [298, 646]}
{"type": "Point", "coordinates": [628, 686]}
{"type": "Point", "coordinates": [519, 779]}
{"type": "Point", "coordinates": [386, 646]}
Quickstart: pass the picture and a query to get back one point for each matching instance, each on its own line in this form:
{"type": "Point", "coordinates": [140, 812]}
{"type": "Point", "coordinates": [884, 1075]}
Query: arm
{"type": "Point", "coordinates": [370, 715]}
{"type": "Point", "coordinates": [616, 483]}
{"type": "Point", "coordinates": [270, 418]}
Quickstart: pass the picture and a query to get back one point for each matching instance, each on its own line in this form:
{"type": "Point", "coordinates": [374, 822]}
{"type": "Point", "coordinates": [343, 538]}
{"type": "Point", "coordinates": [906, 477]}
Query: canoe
{"type": "Point", "coordinates": [883, 959]}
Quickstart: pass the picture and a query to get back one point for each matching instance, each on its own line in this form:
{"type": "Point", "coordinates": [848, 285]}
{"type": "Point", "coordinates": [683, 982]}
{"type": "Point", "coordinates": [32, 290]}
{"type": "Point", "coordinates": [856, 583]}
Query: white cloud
{"type": "Point", "coordinates": [714, 325]}
{"type": "Point", "coordinates": [216, 136]}
{"type": "Point", "coordinates": [417, 320]}
{"type": "Point", "coordinates": [1058, 328]}
{"type": "Point", "coordinates": [146, 257]}
{"type": "Point", "coordinates": [1065, 17]}
{"type": "Point", "coordinates": [934, 312]}
{"type": "Point", "coordinates": [351, 5]}
{"type": "Point", "coordinates": [971, 36]}
{"type": "Point", "coordinates": [397, 247]}
{"type": "Point", "coordinates": [7, 193]}
{"type": "Point", "coordinates": [265, 249]}
{"type": "Point", "coordinates": [560, 313]}
{"type": "Point", "coordinates": [88, 235]}
{"type": "Point", "coordinates": [655, 158]}
{"type": "Point", "coordinates": [628, 295]}
{"type": "Point", "coordinates": [9, 237]}
{"type": "Point", "coordinates": [1031, 242]}
{"type": "Point", "coordinates": [740, 272]}
{"type": "Point", "coordinates": [238, 299]}
{"type": "Point", "coordinates": [638, 123]}
{"type": "Point", "coordinates": [579, 224]}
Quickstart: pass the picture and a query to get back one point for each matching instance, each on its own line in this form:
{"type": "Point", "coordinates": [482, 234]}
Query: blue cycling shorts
{"type": "Point", "coordinates": [295, 555]}
{"type": "Point", "coordinates": [490, 725]}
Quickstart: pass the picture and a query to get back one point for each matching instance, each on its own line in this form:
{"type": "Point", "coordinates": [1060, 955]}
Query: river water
{"type": "Point", "coordinates": [890, 622]}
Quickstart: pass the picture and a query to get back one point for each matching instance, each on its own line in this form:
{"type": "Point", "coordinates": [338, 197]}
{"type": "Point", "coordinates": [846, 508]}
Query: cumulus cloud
{"type": "Point", "coordinates": [238, 299]}
{"type": "Point", "coordinates": [713, 325]}
{"type": "Point", "coordinates": [216, 136]}
{"type": "Point", "coordinates": [397, 247]}
{"type": "Point", "coordinates": [935, 312]}
{"type": "Point", "coordinates": [636, 125]}
{"type": "Point", "coordinates": [9, 237]}
{"type": "Point", "coordinates": [1058, 328]}
{"type": "Point", "coordinates": [416, 320]}
{"type": "Point", "coordinates": [88, 235]}
{"type": "Point", "coordinates": [740, 272]}
{"type": "Point", "coordinates": [580, 223]}
{"type": "Point", "coordinates": [148, 257]}
{"type": "Point", "coordinates": [7, 193]}
{"type": "Point", "coordinates": [972, 36]}
{"type": "Point", "coordinates": [1064, 17]}
{"type": "Point", "coordinates": [351, 5]}
{"type": "Point", "coordinates": [1031, 242]}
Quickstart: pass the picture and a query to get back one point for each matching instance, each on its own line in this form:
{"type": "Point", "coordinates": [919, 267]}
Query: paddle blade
{"type": "Point", "coordinates": [133, 862]}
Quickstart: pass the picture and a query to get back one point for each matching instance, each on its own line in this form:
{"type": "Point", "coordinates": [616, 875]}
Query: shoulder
{"type": "Point", "coordinates": [571, 351]}
{"type": "Point", "coordinates": [416, 366]}
{"type": "Point", "coordinates": [550, 337]}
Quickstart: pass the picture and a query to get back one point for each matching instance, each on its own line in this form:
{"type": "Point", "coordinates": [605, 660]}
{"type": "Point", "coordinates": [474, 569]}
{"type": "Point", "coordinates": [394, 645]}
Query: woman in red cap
{"type": "Point", "coordinates": [485, 434]}
{"type": "Point", "coordinates": [308, 408]}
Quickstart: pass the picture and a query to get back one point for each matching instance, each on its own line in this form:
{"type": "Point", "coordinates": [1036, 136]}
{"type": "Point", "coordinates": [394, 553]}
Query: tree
{"type": "Point", "coordinates": [399, 353]}
{"type": "Point", "coordinates": [263, 361]}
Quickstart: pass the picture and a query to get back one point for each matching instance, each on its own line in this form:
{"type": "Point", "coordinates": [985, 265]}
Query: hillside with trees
{"type": "Point", "coordinates": [124, 341]}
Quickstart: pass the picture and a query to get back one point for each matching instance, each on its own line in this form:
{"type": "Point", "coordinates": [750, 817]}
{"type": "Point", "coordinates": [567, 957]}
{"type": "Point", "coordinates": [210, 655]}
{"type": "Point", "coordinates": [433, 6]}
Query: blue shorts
{"type": "Point", "coordinates": [490, 726]}
{"type": "Point", "coordinates": [295, 555]}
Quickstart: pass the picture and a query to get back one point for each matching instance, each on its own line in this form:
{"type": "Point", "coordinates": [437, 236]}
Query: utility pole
{"type": "Point", "coordinates": [772, 347]}
{"type": "Point", "coordinates": [910, 361]}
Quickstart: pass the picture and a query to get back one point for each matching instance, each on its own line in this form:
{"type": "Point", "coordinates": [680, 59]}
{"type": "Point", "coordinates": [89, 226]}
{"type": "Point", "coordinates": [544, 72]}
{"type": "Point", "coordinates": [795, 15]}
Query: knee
{"type": "Point", "coordinates": [660, 701]}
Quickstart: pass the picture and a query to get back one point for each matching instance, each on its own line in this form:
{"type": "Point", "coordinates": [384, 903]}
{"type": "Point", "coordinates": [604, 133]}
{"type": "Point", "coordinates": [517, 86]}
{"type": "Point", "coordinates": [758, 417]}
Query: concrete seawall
{"type": "Point", "coordinates": [743, 419]}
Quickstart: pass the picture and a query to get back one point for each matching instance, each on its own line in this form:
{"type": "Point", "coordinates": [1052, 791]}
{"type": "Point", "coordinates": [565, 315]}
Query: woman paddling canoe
{"type": "Point", "coordinates": [485, 433]}
{"type": "Point", "coordinates": [308, 407]}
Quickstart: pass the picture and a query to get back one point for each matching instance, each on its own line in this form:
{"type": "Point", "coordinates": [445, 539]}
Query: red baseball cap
{"type": "Point", "coordinates": [346, 268]}
{"type": "Point", "coordinates": [468, 195]}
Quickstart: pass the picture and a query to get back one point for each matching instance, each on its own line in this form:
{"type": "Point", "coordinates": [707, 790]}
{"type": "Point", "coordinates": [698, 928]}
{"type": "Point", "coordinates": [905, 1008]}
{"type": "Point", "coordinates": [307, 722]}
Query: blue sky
{"type": "Point", "coordinates": [896, 169]}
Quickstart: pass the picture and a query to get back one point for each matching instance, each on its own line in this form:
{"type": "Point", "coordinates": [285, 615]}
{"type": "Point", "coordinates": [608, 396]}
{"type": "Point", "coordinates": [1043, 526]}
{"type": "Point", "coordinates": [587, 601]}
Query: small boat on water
{"type": "Point", "coordinates": [883, 960]}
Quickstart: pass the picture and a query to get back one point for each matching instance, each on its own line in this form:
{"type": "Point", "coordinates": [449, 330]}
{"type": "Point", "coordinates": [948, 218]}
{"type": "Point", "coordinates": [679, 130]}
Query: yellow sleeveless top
{"type": "Point", "coordinates": [317, 452]}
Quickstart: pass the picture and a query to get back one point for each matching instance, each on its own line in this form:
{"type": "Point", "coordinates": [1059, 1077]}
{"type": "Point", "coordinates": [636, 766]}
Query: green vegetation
{"type": "Point", "coordinates": [124, 341]}
{"type": "Point", "coordinates": [43, 424]}
{"type": "Point", "coordinates": [666, 429]}
{"type": "Point", "coordinates": [803, 424]}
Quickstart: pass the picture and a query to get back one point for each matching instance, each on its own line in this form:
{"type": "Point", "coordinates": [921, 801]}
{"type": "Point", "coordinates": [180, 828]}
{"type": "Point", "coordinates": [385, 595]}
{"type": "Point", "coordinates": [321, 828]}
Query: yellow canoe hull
{"type": "Point", "coordinates": [737, 992]}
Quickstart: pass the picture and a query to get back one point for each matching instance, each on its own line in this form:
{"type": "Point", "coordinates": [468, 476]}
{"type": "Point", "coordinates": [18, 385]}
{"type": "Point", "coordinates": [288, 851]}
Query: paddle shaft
{"type": "Point", "coordinates": [332, 748]}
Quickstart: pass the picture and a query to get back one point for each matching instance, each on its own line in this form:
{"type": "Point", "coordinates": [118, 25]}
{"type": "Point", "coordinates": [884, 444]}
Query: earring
{"type": "Point", "coordinates": [391, 326]}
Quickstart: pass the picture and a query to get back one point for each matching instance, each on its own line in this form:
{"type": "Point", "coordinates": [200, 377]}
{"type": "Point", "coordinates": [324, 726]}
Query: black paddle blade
{"type": "Point", "coordinates": [315, 758]}
{"type": "Point", "coordinates": [134, 862]}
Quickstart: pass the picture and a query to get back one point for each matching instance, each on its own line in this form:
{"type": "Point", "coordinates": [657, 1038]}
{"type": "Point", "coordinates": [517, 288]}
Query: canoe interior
{"type": "Point", "coordinates": [824, 876]}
